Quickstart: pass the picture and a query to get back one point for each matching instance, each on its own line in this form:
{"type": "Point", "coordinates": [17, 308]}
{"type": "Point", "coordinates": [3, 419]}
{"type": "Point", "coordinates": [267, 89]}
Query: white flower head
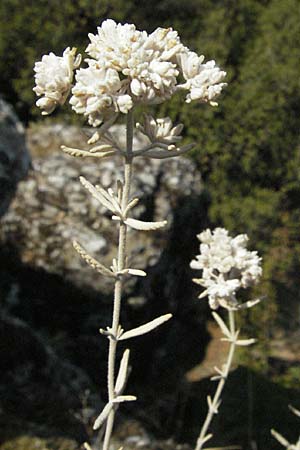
{"type": "Point", "coordinates": [160, 130]}
{"type": "Point", "coordinates": [53, 78]}
{"type": "Point", "coordinates": [114, 44]}
{"type": "Point", "coordinates": [98, 93]}
{"type": "Point", "coordinates": [125, 67]}
{"type": "Point", "coordinates": [147, 61]}
{"type": "Point", "coordinates": [204, 81]}
{"type": "Point", "coordinates": [226, 265]}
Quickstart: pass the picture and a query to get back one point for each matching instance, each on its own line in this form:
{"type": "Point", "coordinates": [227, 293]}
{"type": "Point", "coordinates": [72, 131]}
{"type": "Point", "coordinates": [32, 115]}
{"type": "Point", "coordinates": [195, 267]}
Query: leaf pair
{"type": "Point", "coordinates": [106, 198]}
{"type": "Point", "coordinates": [229, 336]}
{"type": "Point", "coordinates": [103, 416]}
{"type": "Point", "coordinates": [114, 273]}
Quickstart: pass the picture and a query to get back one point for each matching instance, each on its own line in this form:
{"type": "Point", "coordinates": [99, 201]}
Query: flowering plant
{"type": "Point", "coordinates": [125, 67]}
{"type": "Point", "coordinates": [226, 267]}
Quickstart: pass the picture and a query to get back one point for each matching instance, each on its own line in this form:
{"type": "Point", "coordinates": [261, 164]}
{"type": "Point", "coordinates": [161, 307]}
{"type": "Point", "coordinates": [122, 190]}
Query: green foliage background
{"type": "Point", "coordinates": [248, 149]}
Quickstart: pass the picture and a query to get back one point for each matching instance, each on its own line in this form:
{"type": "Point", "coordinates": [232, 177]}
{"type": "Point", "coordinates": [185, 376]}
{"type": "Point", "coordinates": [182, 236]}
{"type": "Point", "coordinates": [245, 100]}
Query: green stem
{"type": "Point", "coordinates": [217, 396]}
{"type": "Point", "coordinates": [118, 284]}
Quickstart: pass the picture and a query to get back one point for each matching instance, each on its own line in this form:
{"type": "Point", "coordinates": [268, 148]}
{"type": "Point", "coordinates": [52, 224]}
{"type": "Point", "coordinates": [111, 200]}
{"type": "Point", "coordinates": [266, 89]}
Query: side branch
{"type": "Point", "coordinates": [213, 404]}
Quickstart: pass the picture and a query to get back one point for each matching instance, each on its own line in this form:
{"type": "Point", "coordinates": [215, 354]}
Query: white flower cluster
{"type": "Point", "coordinates": [227, 265]}
{"type": "Point", "coordinates": [202, 80]}
{"type": "Point", "coordinates": [126, 66]}
{"type": "Point", "coordinates": [53, 78]}
{"type": "Point", "coordinates": [160, 130]}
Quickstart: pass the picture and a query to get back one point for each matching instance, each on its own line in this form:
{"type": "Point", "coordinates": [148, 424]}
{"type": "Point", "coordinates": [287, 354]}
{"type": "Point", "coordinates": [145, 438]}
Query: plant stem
{"type": "Point", "coordinates": [214, 405]}
{"type": "Point", "coordinates": [118, 284]}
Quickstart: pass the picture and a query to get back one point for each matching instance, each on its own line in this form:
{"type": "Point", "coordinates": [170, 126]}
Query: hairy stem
{"type": "Point", "coordinates": [118, 284]}
{"type": "Point", "coordinates": [212, 409]}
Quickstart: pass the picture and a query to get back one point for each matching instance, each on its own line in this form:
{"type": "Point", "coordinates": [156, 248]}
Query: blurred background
{"type": "Point", "coordinates": [243, 175]}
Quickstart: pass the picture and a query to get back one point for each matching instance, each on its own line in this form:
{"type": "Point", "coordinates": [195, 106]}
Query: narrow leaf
{"type": "Point", "coordinates": [103, 416]}
{"type": "Point", "coordinates": [220, 375]}
{"type": "Point", "coordinates": [94, 138]}
{"type": "Point", "coordinates": [87, 446]}
{"type": "Point", "coordinates": [198, 281]}
{"type": "Point", "coordinates": [137, 272]}
{"type": "Point", "coordinates": [163, 154]}
{"type": "Point", "coordinates": [209, 401]}
{"type": "Point", "coordinates": [203, 294]}
{"type": "Point", "coordinates": [245, 342]}
{"type": "Point", "coordinates": [114, 265]}
{"type": "Point", "coordinates": [124, 398]}
{"type": "Point", "coordinates": [143, 329]}
{"type": "Point", "coordinates": [131, 205]}
{"type": "Point", "coordinates": [114, 200]}
{"type": "Point", "coordinates": [249, 304]}
{"type": "Point", "coordinates": [206, 438]}
{"type": "Point", "coordinates": [120, 190]}
{"type": "Point", "coordinates": [123, 373]}
{"type": "Point", "coordinates": [216, 378]}
{"type": "Point", "coordinates": [144, 226]}
{"type": "Point", "coordinates": [280, 438]}
{"type": "Point", "coordinates": [84, 153]}
{"type": "Point", "coordinates": [221, 324]}
{"type": "Point", "coordinates": [101, 148]}
{"type": "Point", "coordinates": [219, 371]}
{"type": "Point", "coordinates": [92, 261]}
{"type": "Point", "coordinates": [110, 197]}
{"type": "Point", "coordinates": [98, 195]}
{"type": "Point", "coordinates": [294, 410]}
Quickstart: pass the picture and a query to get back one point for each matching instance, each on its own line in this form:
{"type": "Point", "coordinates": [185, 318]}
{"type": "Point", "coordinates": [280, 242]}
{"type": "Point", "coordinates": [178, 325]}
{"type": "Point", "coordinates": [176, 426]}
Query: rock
{"type": "Point", "coordinates": [132, 435]}
{"type": "Point", "coordinates": [35, 442]}
{"type": "Point", "coordinates": [40, 392]}
{"type": "Point", "coordinates": [52, 208]}
{"type": "Point", "coordinates": [14, 156]}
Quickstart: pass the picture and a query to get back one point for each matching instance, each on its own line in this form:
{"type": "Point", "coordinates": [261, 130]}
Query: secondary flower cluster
{"type": "Point", "coordinates": [160, 130]}
{"type": "Point", "coordinates": [125, 66]}
{"type": "Point", "coordinates": [54, 75]}
{"type": "Point", "coordinates": [227, 265]}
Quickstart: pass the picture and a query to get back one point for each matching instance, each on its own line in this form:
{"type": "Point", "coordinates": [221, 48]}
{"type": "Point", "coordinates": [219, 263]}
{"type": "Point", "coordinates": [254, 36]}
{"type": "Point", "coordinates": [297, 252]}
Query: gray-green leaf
{"type": "Point", "coordinates": [143, 329]}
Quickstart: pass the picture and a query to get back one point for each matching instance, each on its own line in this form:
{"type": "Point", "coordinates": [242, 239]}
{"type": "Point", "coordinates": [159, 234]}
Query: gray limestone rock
{"type": "Point", "coordinates": [51, 207]}
{"type": "Point", "coordinates": [14, 156]}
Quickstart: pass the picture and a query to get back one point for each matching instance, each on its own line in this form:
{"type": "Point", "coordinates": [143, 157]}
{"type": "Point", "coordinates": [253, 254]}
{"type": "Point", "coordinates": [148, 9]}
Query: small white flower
{"type": "Point", "coordinates": [220, 292]}
{"type": "Point", "coordinates": [124, 103]}
{"type": "Point", "coordinates": [190, 64]}
{"type": "Point", "coordinates": [53, 78]}
{"type": "Point", "coordinates": [226, 266]}
{"type": "Point", "coordinates": [160, 130]}
{"type": "Point", "coordinates": [166, 42]}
